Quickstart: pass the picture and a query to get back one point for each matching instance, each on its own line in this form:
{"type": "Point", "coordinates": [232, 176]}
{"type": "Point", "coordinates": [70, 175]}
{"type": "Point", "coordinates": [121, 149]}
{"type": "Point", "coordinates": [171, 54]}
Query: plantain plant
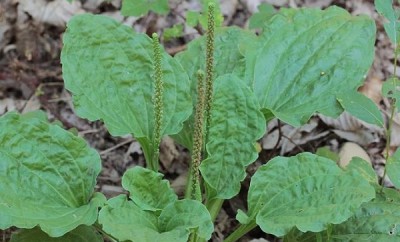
{"type": "Point", "coordinates": [215, 99]}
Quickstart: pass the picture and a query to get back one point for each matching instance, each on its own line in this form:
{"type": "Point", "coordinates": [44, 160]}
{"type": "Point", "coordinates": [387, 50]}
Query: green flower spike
{"type": "Point", "coordinates": [198, 136]}
{"type": "Point", "coordinates": [209, 63]}
{"type": "Point", "coordinates": [158, 102]}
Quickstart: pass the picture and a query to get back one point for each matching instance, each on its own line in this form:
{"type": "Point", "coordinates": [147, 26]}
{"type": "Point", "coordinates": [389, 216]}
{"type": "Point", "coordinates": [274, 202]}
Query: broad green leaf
{"type": "Point", "coordinates": [265, 12]}
{"type": "Point", "coordinates": [392, 27]}
{"type": "Point", "coordinates": [188, 215]}
{"type": "Point", "coordinates": [361, 107]}
{"type": "Point", "coordinates": [228, 56]}
{"type": "Point", "coordinates": [327, 153]}
{"type": "Point", "coordinates": [235, 126]}
{"type": "Point", "coordinates": [391, 89]}
{"type": "Point", "coordinates": [47, 176]}
{"type": "Point", "coordinates": [126, 221]}
{"type": "Point", "coordinates": [377, 220]}
{"type": "Point", "coordinates": [141, 7]}
{"type": "Point", "coordinates": [192, 18]}
{"type": "Point", "coordinates": [80, 234]}
{"type": "Point", "coordinates": [393, 168]}
{"type": "Point", "coordinates": [173, 32]}
{"type": "Point", "coordinates": [385, 8]}
{"type": "Point", "coordinates": [365, 169]}
{"type": "Point", "coordinates": [305, 57]}
{"type": "Point", "coordinates": [147, 189]}
{"type": "Point", "coordinates": [109, 68]}
{"type": "Point", "coordinates": [305, 191]}
{"type": "Point", "coordinates": [229, 59]}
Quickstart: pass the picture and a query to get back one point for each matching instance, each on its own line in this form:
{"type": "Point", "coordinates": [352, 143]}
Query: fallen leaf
{"type": "Point", "coordinates": [56, 12]}
{"type": "Point", "coordinates": [350, 150]}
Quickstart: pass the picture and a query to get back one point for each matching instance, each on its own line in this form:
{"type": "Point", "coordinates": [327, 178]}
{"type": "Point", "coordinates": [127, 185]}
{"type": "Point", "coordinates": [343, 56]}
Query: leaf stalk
{"type": "Point", "coordinates": [240, 231]}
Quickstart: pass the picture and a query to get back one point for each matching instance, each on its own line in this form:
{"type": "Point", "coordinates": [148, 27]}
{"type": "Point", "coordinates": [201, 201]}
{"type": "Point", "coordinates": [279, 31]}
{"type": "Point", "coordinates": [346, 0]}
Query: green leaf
{"type": "Point", "coordinates": [361, 107]}
{"type": "Point", "coordinates": [235, 126]}
{"type": "Point", "coordinates": [393, 168]}
{"type": "Point", "coordinates": [265, 12]}
{"type": "Point", "coordinates": [109, 70]}
{"type": "Point", "coordinates": [305, 57]}
{"type": "Point", "coordinates": [187, 215]}
{"type": "Point", "coordinates": [392, 27]}
{"type": "Point", "coordinates": [47, 176]}
{"type": "Point", "coordinates": [377, 220]}
{"type": "Point", "coordinates": [365, 169]}
{"type": "Point", "coordinates": [391, 89]}
{"type": "Point", "coordinates": [126, 221]}
{"type": "Point", "coordinates": [229, 58]}
{"type": "Point", "coordinates": [192, 18]}
{"type": "Point", "coordinates": [385, 8]}
{"type": "Point", "coordinates": [173, 32]}
{"type": "Point", "coordinates": [141, 7]}
{"type": "Point", "coordinates": [80, 234]}
{"type": "Point", "coordinates": [242, 217]}
{"type": "Point", "coordinates": [305, 191]}
{"type": "Point", "coordinates": [327, 153]}
{"type": "Point", "coordinates": [147, 189]}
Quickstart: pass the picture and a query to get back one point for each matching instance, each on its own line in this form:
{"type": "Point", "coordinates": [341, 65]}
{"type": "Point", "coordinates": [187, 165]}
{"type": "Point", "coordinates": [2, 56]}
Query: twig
{"type": "Point", "coordinates": [116, 146]}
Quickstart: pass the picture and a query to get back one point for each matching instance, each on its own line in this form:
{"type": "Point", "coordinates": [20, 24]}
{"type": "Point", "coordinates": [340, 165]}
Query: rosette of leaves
{"type": "Point", "coordinates": [153, 211]}
{"type": "Point", "coordinates": [47, 176]}
{"type": "Point", "coordinates": [109, 70]}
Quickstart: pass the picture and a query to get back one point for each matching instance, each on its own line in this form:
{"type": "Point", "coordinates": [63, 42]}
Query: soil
{"type": "Point", "coordinates": [31, 78]}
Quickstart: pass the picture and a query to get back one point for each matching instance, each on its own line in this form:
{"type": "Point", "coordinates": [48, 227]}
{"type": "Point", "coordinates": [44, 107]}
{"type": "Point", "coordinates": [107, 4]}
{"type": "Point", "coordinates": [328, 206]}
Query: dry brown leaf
{"type": "Point", "coordinates": [228, 7]}
{"type": "Point", "coordinates": [168, 152]}
{"type": "Point", "coordinates": [259, 240]}
{"type": "Point", "coordinates": [10, 104]}
{"type": "Point", "coordinates": [179, 184]}
{"type": "Point", "coordinates": [5, 26]}
{"type": "Point", "coordinates": [350, 150]}
{"type": "Point", "coordinates": [111, 191]}
{"type": "Point", "coordinates": [134, 147]}
{"type": "Point", "coordinates": [317, 3]}
{"type": "Point", "coordinates": [32, 104]}
{"type": "Point", "coordinates": [344, 122]}
{"type": "Point", "coordinates": [56, 12]}
{"type": "Point", "coordinates": [361, 136]}
{"type": "Point", "coordinates": [395, 133]}
{"type": "Point", "coordinates": [372, 88]}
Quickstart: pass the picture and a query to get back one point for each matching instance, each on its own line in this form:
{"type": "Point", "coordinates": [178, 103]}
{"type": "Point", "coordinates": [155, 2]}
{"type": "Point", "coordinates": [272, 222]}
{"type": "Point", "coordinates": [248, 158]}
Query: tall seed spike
{"type": "Point", "coordinates": [209, 64]}
{"type": "Point", "coordinates": [157, 101]}
{"type": "Point", "coordinates": [198, 135]}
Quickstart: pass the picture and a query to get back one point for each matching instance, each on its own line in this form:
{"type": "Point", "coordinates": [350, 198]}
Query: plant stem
{"type": "Point", "coordinates": [198, 138]}
{"type": "Point", "coordinates": [214, 206]}
{"type": "Point", "coordinates": [98, 227]}
{"type": "Point", "coordinates": [392, 112]}
{"type": "Point", "coordinates": [240, 231]}
{"type": "Point", "coordinates": [157, 103]}
{"type": "Point", "coordinates": [209, 65]}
